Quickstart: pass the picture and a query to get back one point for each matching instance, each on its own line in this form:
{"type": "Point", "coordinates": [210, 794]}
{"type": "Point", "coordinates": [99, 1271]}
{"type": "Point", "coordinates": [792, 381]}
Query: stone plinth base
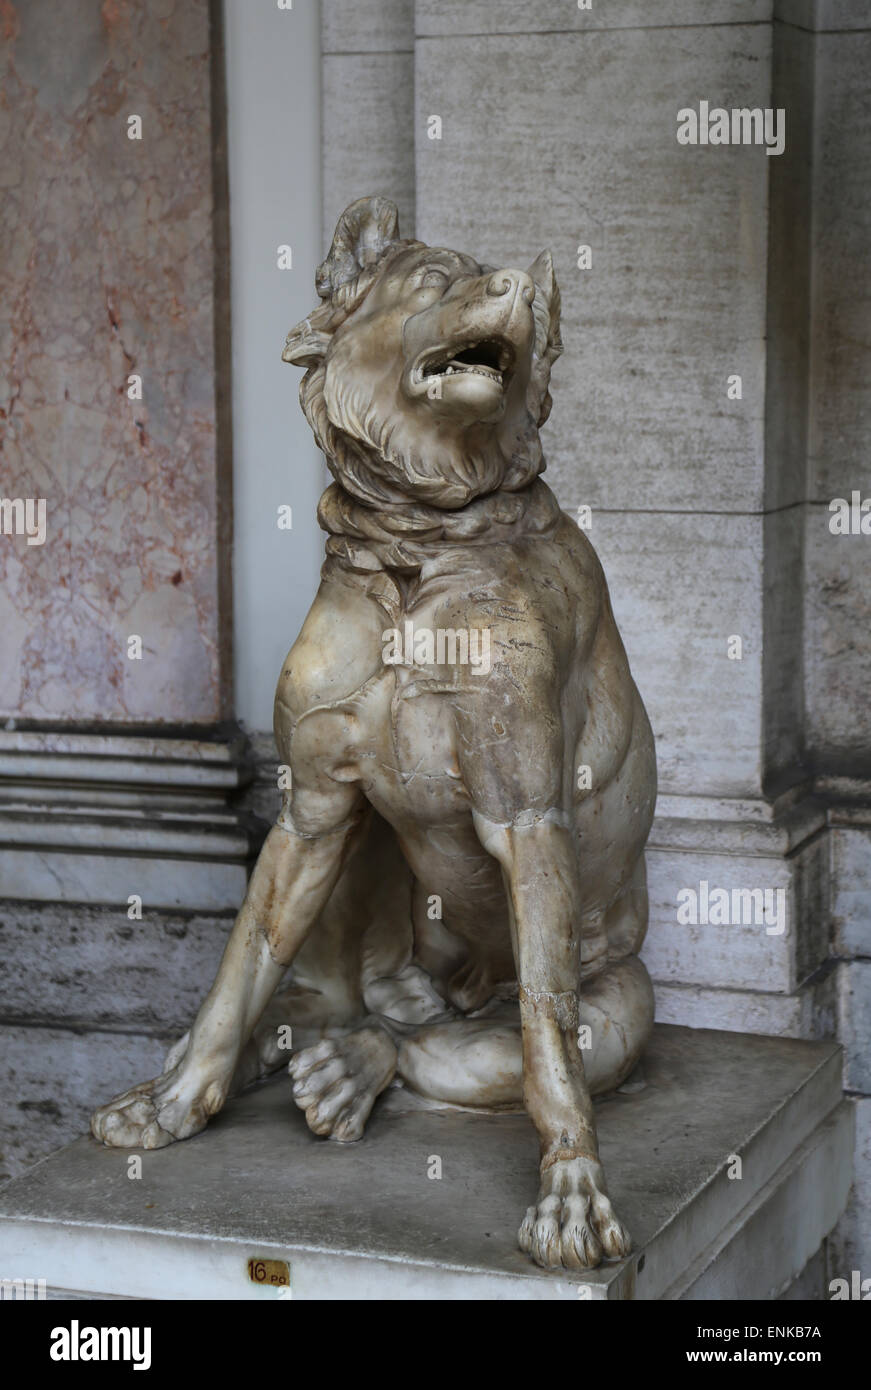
{"type": "Point", "coordinates": [366, 1220]}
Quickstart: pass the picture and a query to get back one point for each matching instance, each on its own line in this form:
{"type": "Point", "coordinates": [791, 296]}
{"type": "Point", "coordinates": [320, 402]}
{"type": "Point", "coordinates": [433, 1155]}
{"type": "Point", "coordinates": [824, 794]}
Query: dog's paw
{"type": "Point", "coordinates": [336, 1082]}
{"type": "Point", "coordinates": [132, 1121]}
{"type": "Point", "coordinates": [573, 1225]}
{"type": "Point", "coordinates": [174, 1106]}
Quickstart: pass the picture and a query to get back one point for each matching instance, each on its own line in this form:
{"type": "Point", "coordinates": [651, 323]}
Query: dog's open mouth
{"type": "Point", "coordinates": [491, 358]}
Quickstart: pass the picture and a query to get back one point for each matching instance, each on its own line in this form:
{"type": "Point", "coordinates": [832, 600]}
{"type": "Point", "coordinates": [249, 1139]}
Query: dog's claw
{"type": "Point", "coordinates": [574, 1225]}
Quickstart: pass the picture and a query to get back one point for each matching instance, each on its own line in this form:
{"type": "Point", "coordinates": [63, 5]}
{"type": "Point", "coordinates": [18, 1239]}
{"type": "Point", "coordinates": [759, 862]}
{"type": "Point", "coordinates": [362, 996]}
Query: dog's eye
{"type": "Point", "coordinates": [433, 278]}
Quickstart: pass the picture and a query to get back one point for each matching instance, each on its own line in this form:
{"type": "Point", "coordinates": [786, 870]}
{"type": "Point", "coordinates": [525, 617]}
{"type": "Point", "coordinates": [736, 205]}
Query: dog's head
{"type": "Point", "coordinates": [427, 372]}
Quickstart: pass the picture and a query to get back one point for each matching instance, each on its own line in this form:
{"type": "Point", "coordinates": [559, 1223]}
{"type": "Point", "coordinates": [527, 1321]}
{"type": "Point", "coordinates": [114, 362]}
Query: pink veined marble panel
{"type": "Point", "coordinates": [106, 273]}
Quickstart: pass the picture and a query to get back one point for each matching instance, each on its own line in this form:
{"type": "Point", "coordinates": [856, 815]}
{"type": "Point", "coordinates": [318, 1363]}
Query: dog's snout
{"type": "Point", "coordinates": [512, 282]}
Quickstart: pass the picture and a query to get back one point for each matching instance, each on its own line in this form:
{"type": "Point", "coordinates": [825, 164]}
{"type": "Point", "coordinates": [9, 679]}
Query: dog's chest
{"type": "Point", "coordinates": [398, 733]}
{"type": "Point", "coordinates": [396, 737]}
{"type": "Point", "coordinates": [399, 737]}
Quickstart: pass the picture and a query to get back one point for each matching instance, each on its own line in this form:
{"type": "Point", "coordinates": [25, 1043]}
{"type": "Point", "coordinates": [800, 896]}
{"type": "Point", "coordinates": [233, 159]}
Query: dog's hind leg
{"type": "Point", "coordinates": [338, 1080]}
{"type": "Point", "coordinates": [478, 1062]}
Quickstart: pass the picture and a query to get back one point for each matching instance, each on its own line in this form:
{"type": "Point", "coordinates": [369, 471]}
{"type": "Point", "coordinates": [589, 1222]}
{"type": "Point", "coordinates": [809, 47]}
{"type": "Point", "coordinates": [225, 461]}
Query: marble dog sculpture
{"type": "Point", "coordinates": [457, 875]}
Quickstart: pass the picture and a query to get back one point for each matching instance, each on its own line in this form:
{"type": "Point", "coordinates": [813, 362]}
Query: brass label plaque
{"type": "Point", "coordinates": [274, 1272]}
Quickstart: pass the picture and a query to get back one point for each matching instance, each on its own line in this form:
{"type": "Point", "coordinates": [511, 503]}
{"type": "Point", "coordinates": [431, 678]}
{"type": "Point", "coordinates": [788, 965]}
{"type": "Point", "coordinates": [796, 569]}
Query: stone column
{"type": "Point", "coordinates": [120, 851]}
{"type": "Point", "coordinates": [837, 619]}
{"type": "Point", "coordinates": [108, 366]}
{"type": "Point", "coordinates": [368, 105]}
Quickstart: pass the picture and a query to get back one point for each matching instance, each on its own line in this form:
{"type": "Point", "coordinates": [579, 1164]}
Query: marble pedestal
{"type": "Point", "coordinates": [367, 1221]}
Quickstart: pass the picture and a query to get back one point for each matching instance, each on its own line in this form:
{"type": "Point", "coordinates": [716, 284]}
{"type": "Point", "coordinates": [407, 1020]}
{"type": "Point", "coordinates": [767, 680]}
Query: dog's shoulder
{"type": "Point", "coordinates": [560, 588]}
{"type": "Point", "coordinates": [337, 651]}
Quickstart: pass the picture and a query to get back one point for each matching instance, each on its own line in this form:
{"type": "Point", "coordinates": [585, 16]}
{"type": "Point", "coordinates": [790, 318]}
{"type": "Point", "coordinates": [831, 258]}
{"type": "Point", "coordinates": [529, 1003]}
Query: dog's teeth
{"type": "Point", "coordinates": [455, 368]}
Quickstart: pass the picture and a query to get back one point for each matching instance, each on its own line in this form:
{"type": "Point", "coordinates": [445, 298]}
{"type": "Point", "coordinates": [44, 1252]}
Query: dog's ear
{"type": "Point", "coordinates": [307, 343]}
{"type": "Point", "coordinates": [548, 343]}
{"type": "Point", "coordinates": [364, 232]}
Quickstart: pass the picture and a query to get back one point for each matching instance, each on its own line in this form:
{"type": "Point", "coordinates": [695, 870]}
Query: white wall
{"type": "Point", "coordinates": [273, 105]}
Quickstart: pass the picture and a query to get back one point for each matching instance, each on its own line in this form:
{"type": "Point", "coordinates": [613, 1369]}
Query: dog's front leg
{"type": "Point", "coordinates": [292, 880]}
{"type": "Point", "coordinates": [573, 1223]}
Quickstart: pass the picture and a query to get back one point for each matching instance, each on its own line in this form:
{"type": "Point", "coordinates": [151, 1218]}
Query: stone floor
{"type": "Point", "coordinates": [367, 1221]}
